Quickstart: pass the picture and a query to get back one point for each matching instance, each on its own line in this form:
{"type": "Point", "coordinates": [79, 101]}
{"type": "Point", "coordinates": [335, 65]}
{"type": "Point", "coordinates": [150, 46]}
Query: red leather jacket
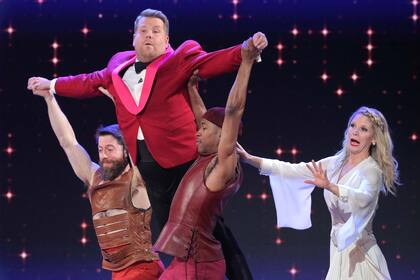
{"type": "Point", "coordinates": [193, 216]}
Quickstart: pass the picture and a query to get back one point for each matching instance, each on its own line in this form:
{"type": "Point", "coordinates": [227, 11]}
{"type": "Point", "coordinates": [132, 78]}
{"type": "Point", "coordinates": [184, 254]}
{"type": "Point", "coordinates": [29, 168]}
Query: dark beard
{"type": "Point", "coordinates": [110, 173]}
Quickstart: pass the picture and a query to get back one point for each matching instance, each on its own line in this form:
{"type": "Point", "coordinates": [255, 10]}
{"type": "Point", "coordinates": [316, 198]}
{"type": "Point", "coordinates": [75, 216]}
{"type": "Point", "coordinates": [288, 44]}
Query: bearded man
{"type": "Point", "coordinates": [121, 211]}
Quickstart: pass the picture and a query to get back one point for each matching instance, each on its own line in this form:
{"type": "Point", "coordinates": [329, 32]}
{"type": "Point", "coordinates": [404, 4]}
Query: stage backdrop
{"type": "Point", "coordinates": [324, 60]}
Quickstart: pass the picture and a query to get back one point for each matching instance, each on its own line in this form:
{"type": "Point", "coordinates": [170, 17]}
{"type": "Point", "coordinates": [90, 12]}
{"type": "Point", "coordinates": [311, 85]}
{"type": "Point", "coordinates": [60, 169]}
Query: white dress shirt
{"type": "Point", "coordinates": [135, 83]}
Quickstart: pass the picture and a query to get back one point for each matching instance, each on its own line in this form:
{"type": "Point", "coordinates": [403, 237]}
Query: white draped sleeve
{"type": "Point", "coordinates": [292, 197]}
{"type": "Point", "coordinates": [363, 201]}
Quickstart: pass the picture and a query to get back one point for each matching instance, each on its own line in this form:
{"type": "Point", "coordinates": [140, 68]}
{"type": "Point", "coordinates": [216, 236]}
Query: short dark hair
{"type": "Point", "coordinates": [155, 14]}
{"type": "Point", "coordinates": [113, 130]}
{"type": "Point", "coordinates": [216, 115]}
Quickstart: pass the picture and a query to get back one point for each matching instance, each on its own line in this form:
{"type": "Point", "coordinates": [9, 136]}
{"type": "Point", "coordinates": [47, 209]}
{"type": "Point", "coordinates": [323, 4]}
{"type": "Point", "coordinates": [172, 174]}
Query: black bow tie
{"type": "Point", "coordinates": [140, 66]}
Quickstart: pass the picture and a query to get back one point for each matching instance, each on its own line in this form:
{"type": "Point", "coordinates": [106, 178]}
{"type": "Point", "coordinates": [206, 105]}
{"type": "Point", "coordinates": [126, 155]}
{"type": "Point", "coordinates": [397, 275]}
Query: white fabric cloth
{"type": "Point", "coordinates": [292, 197]}
{"type": "Point", "coordinates": [354, 253]}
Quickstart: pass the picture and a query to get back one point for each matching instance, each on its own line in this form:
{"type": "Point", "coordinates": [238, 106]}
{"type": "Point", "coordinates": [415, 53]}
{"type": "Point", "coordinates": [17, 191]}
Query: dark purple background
{"type": "Point", "coordinates": [289, 106]}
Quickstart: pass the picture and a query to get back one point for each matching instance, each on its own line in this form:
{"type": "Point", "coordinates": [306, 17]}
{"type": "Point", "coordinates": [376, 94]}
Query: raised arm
{"type": "Point", "coordinates": [197, 105]}
{"type": "Point", "coordinates": [79, 86]}
{"type": "Point", "coordinates": [226, 154]}
{"type": "Point", "coordinates": [211, 64]}
{"type": "Point", "coordinates": [77, 155]}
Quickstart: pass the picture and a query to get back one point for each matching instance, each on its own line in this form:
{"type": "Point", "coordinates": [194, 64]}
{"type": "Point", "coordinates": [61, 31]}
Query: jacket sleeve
{"type": "Point", "coordinates": [209, 64]}
{"type": "Point", "coordinates": [83, 85]}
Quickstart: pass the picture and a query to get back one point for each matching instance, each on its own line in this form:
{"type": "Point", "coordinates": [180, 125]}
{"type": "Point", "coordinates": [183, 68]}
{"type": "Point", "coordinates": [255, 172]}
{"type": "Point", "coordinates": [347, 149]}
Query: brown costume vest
{"type": "Point", "coordinates": [193, 216]}
{"type": "Point", "coordinates": [130, 241]}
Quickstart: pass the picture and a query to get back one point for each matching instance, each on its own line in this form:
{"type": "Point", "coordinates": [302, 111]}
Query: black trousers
{"type": "Point", "coordinates": [161, 185]}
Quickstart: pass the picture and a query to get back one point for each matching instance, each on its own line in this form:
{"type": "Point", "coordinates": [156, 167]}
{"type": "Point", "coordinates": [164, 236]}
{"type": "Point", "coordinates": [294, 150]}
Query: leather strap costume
{"type": "Point", "coordinates": [124, 238]}
{"type": "Point", "coordinates": [193, 215]}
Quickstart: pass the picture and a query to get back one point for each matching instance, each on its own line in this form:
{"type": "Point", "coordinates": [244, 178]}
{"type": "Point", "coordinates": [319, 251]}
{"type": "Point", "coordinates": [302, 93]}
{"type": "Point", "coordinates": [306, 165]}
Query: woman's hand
{"type": "Point", "coordinates": [320, 178]}
{"type": "Point", "coordinates": [320, 175]}
{"type": "Point", "coordinates": [244, 155]}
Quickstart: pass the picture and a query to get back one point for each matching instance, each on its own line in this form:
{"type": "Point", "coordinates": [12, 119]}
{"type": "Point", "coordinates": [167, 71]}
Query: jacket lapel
{"type": "Point", "coordinates": [150, 77]}
{"type": "Point", "coordinates": [124, 92]}
{"type": "Point", "coordinates": [121, 88]}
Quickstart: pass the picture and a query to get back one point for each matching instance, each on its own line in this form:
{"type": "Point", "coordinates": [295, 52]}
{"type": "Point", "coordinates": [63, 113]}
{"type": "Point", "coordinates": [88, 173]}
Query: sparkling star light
{"type": "Point", "coordinates": [293, 271]}
{"type": "Point", "coordinates": [84, 239]}
{"type": "Point", "coordinates": [325, 77]}
{"type": "Point", "coordinates": [9, 150]}
{"type": "Point", "coordinates": [280, 48]}
{"type": "Point", "coordinates": [9, 195]}
{"type": "Point", "coordinates": [85, 30]}
{"type": "Point", "coordinates": [278, 241]}
{"type": "Point", "coordinates": [264, 196]}
{"type": "Point", "coordinates": [414, 15]}
{"type": "Point", "coordinates": [10, 30]}
{"type": "Point", "coordinates": [55, 60]}
{"type": "Point", "coordinates": [235, 15]}
{"type": "Point", "coordinates": [369, 47]}
{"type": "Point", "coordinates": [354, 77]}
{"type": "Point", "coordinates": [325, 32]}
{"type": "Point", "coordinates": [23, 255]}
{"type": "Point", "coordinates": [294, 31]}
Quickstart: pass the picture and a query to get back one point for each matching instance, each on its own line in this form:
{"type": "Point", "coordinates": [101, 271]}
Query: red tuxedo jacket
{"type": "Point", "coordinates": [164, 112]}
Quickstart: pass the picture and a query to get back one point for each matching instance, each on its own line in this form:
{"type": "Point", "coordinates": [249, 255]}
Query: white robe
{"type": "Point", "coordinates": [354, 253]}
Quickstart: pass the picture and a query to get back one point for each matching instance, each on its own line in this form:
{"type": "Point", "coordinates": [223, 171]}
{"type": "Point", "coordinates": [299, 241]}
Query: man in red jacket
{"type": "Point", "coordinates": [148, 87]}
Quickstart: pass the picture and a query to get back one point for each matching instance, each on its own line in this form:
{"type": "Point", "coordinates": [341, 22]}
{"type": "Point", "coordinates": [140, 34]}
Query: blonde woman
{"type": "Point", "coordinates": [352, 181]}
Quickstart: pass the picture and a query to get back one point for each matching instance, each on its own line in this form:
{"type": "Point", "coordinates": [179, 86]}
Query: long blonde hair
{"type": "Point", "coordinates": [381, 151]}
